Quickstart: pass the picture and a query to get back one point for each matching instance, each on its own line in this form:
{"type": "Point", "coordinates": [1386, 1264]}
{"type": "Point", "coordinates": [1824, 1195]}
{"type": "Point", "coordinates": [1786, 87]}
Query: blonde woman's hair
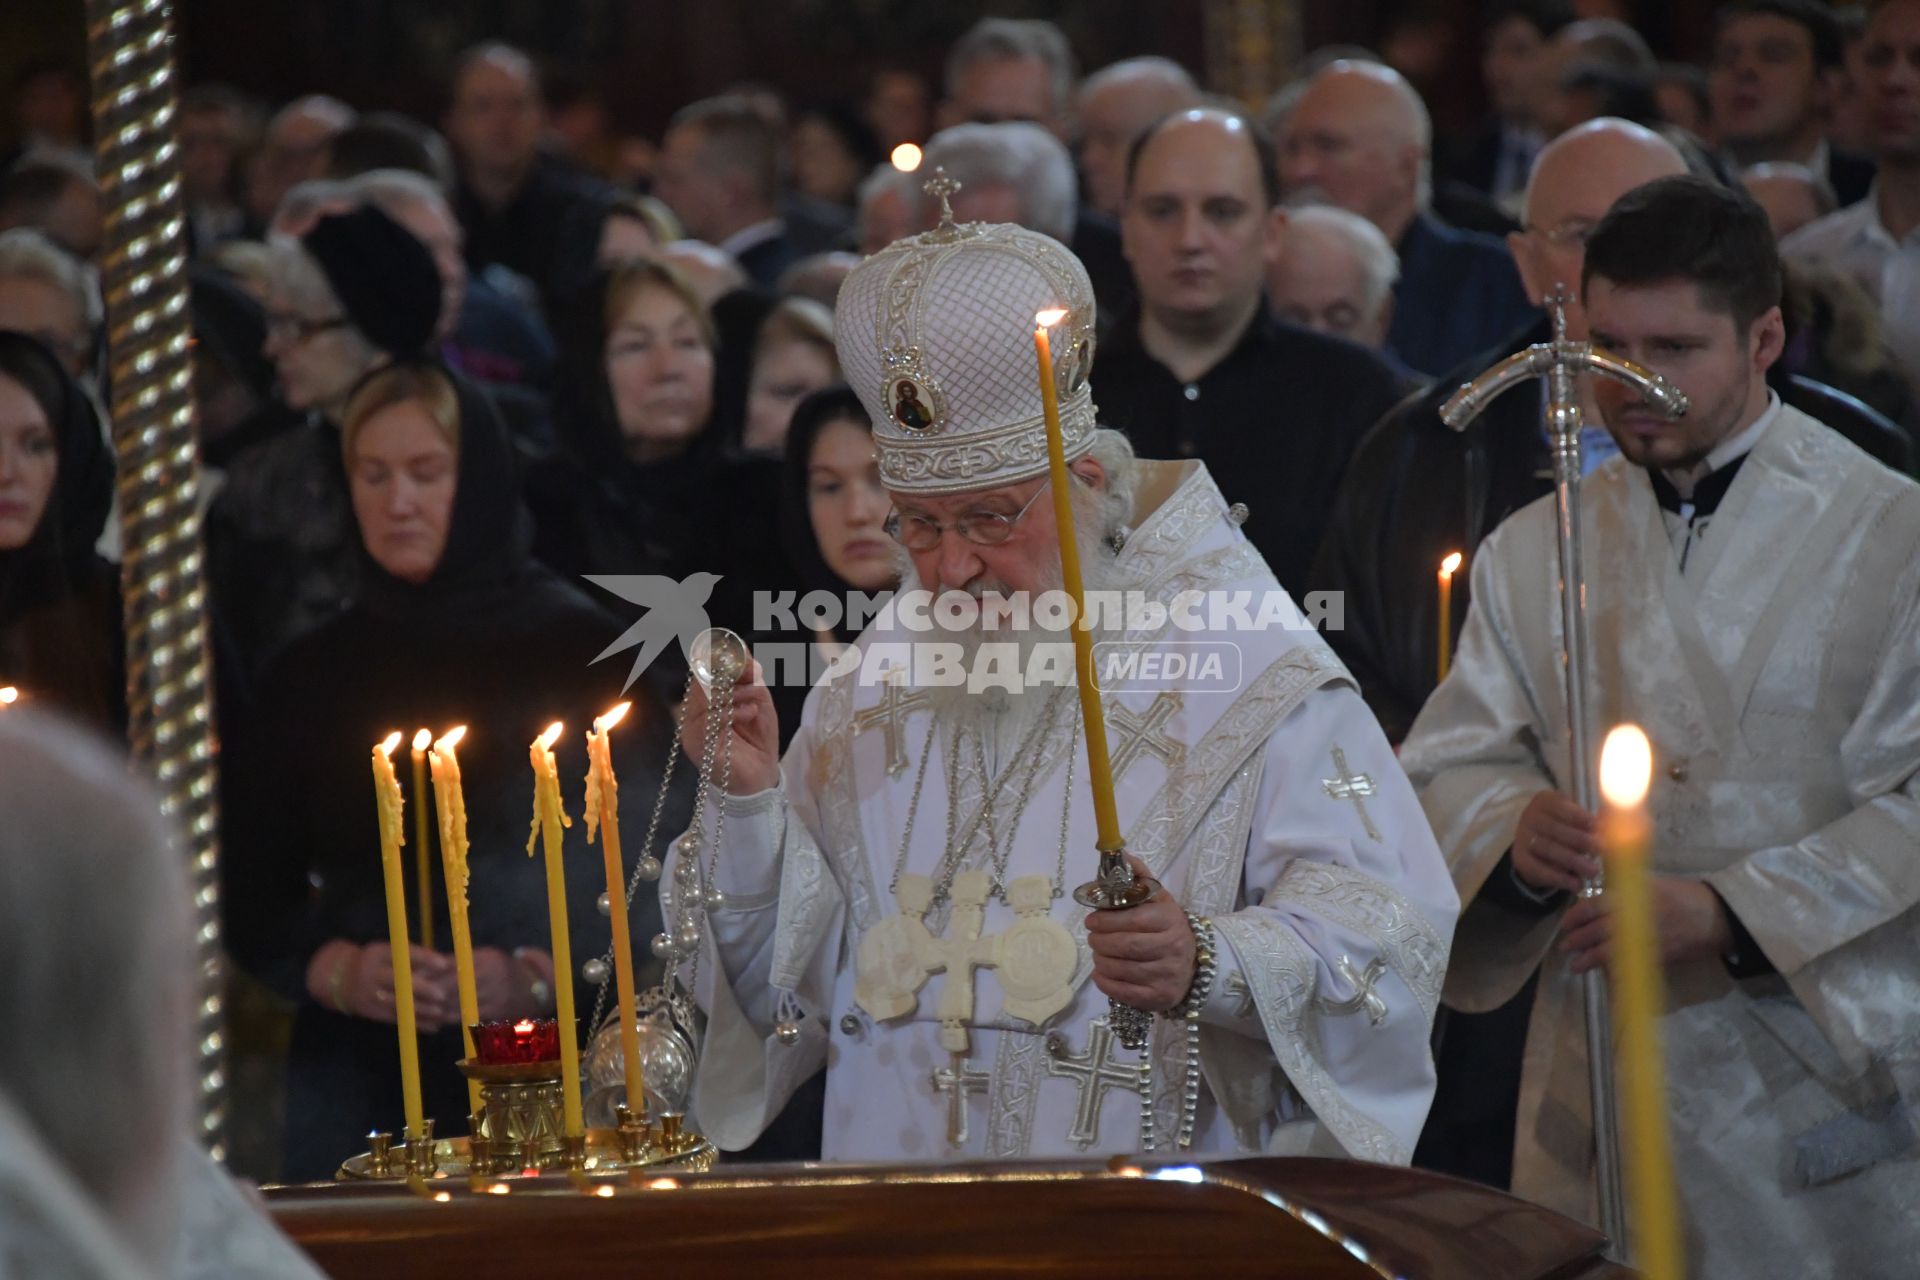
{"type": "Point", "coordinates": [796, 319]}
{"type": "Point", "coordinates": [393, 384]}
{"type": "Point", "coordinates": [630, 279]}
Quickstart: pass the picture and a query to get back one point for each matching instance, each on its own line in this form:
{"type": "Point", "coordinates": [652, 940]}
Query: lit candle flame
{"type": "Point", "coordinates": [388, 743]}
{"type": "Point", "coordinates": [523, 1027]}
{"type": "Point", "coordinates": [422, 740]}
{"type": "Point", "coordinates": [906, 157]}
{"type": "Point", "coordinates": [451, 738]}
{"type": "Point", "coordinates": [613, 717]}
{"type": "Point", "coordinates": [1450, 566]}
{"type": "Point", "coordinates": [1626, 766]}
{"type": "Point", "coordinates": [551, 736]}
{"type": "Point", "coordinates": [8, 696]}
{"type": "Point", "coordinates": [1048, 319]}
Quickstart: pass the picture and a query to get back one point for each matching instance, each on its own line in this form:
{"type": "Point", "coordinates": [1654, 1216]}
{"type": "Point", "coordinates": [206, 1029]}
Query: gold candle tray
{"type": "Point", "coordinates": [604, 1154]}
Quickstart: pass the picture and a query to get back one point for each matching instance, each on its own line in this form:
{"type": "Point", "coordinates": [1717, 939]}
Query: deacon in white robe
{"type": "Point", "coordinates": [1763, 627]}
{"type": "Point", "coordinates": [899, 906]}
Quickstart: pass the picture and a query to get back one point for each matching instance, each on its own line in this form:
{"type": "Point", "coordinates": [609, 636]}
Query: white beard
{"type": "Point", "coordinates": [1002, 717]}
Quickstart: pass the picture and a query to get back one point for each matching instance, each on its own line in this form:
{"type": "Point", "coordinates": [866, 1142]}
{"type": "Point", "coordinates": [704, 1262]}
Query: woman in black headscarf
{"type": "Point", "coordinates": [643, 483]}
{"type": "Point", "coordinates": [455, 624]}
{"type": "Point", "coordinates": [60, 640]}
{"type": "Point", "coordinates": [832, 512]}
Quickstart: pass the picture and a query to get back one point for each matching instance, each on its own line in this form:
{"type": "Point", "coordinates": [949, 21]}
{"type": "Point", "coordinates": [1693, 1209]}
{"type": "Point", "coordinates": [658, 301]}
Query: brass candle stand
{"type": "Point", "coordinates": [520, 1133]}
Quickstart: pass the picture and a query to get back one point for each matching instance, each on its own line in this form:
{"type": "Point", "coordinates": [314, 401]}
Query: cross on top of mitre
{"type": "Point", "coordinates": [943, 188]}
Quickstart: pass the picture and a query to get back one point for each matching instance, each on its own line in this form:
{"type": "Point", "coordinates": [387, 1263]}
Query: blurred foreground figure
{"type": "Point", "coordinates": [98, 1176]}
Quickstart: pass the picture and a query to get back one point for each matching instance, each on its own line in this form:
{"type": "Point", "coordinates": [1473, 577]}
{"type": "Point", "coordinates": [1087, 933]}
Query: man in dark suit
{"type": "Point", "coordinates": [1496, 159]}
{"type": "Point", "coordinates": [1200, 370]}
{"type": "Point", "coordinates": [519, 208]}
{"type": "Point", "coordinates": [720, 174]}
{"type": "Point", "coordinates": [1777, 68]}
{"type": "Point", "coordinates": [1360, 138]}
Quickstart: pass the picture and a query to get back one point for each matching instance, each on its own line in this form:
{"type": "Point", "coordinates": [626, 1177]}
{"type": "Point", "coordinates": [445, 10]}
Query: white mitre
{"type": "Point", "coordinates": [935, 333]}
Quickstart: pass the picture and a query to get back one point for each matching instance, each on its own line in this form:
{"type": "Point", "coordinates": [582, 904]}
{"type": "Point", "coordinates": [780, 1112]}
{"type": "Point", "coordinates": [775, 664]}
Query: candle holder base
{"type": "Point", "coordinates": [521, 1134]}
{"type": "Point", "coordinates": [604, 1154]}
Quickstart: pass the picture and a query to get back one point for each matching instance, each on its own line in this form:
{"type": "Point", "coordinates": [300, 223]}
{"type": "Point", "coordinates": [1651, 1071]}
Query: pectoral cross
{"type": "Point", "coordinates": [958, 954]}
{"type": "Point", "coordinates": [1094, 1072]}
{"type": "Point", "coordinates": [1364, 996]}
{"type": "Point", "coordinates": [1144, 734]}
{"type": "Point", "coordinates": [956, 1082]}
{"type": "Point", "coordinates": [1351, 786]}
{"type": "Point", "coordinates": [891, 715]}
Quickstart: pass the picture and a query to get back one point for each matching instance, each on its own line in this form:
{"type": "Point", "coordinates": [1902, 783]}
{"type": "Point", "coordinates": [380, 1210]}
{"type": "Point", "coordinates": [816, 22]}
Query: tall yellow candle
{"type": "Point", "coordinates": [1448, 567]}
{"type": "Point", "coordinates": [548, 818]}
{"type": "Point", "coordinates": [1626, 767]}
{"type": "Point", "coordinates": [1099, 768]}
{"type": "Point", "coordinates": [450, 804]}
{"type": "Point", "coordinates": [423, 871]}
{"type": "Point", "coordinates": [386, 791]}
{"type": "Point", "coordinates": [603, 812]}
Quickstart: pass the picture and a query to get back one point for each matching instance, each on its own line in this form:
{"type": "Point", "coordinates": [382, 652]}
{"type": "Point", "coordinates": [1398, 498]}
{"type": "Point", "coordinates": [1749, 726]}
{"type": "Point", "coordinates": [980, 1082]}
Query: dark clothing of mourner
{"type": "Point", "coordinates": [1275, 422]}
{"type": "Point", "coordinates": [493, 641]}
{"type": "Point", "coordinates": [497, 340]}
{"type": "Point", "coordinates": [1417, 490]}
{"type": "Point", "coordinates": [548, 232]}
{"type": "Point", "coordinates": [1458, 294]}
{"type": "Point", "coordinates": [766, 258]}
{"type": "Point", "coordinates": [815, 226]}
{"type": "Point", "coordinates": [1850, 175]}
{"type": "Point", "coordinates": [1096, 242]}
{"type": "Point", "coordinates": [737, 317]}
{"type": "Point", "coordinates": [60, 640]}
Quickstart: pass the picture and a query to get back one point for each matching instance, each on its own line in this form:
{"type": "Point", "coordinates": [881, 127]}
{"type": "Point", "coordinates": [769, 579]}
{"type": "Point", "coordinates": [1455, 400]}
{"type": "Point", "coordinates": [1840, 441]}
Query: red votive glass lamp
{"type": "Point", "coordinates": [507, 1041]}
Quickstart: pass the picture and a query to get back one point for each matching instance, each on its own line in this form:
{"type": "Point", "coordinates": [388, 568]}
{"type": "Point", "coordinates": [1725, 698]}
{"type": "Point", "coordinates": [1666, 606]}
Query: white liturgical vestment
{"type": "Point", "coordinates": [1275, 808]}
{"type": "Point", "coordinates": [1777, 675]}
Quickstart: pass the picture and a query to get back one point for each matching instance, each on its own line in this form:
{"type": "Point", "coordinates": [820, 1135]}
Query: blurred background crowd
{"type": "Point", "coordinates": [494, 301]}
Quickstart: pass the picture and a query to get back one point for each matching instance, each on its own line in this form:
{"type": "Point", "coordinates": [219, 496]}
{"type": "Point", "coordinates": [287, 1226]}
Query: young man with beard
{"type": "Point", "coordinates": [894, 897]}
{"type": "Point", "coordinates": [1753, 582]}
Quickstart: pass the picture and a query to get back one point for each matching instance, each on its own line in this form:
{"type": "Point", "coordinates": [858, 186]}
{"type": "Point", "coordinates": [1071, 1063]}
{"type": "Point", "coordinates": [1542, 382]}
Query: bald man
{"type": "Point", "coordinates": [1418, 490]}
{"type": "Point", "coordinates": [1200, 370]}
{"type": "Point", "coordinates": [1360, 138]}
{"type": "Point", "coordinates": [1115, 106]}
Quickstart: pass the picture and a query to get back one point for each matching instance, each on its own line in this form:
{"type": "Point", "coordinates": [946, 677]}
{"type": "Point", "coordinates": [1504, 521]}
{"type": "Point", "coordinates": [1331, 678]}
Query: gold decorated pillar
{"type": "Point", "coordinates": [1252, 47]}
{"type": "Point", "coordinates": [143, 269]}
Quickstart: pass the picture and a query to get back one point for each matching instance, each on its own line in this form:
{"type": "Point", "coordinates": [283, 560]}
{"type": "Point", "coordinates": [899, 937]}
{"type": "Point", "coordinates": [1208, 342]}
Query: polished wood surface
{"type": "Point", "coordinates": [1313, 1219]}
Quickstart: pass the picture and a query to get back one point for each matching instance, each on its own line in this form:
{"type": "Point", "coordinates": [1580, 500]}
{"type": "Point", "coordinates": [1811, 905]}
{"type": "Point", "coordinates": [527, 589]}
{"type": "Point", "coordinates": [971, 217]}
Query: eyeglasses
{"type": "Point", "coordinates": [981, 528]}
{"type": "Point", "coordinates": [299, 328]}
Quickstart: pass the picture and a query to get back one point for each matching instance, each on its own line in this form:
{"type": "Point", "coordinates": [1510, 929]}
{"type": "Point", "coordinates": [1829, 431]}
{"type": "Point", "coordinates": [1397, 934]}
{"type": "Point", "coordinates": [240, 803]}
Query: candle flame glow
{"type": "Point", "coordinates": [388, 743]}
{"type": "Point", "coordinates": [1626, 766]}
{"type": "Point", "coordinates": [523, 1027]}
{"type": "Point", "coordinates": [451, 738]}
{"type": "Point", "coordinates": [422, 740]}
{"type": "Point", "coordinates": [1450, 566]}
{"type": "Point", "coordinates": [1050, 318]}
{"type": "Point", "coordinates": [613, 717]}
{"type": "Point", "coordinates": [906, 157]}
{"type": "Point", "coordinates": [551, 736]}
{"type": "Point", "coordinates": [8, 696]}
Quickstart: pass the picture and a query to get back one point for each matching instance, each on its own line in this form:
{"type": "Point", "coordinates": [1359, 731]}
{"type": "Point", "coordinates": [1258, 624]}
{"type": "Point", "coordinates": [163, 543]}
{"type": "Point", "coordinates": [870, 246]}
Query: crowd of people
{"type": "Point", "coordinates": [444, 371]}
